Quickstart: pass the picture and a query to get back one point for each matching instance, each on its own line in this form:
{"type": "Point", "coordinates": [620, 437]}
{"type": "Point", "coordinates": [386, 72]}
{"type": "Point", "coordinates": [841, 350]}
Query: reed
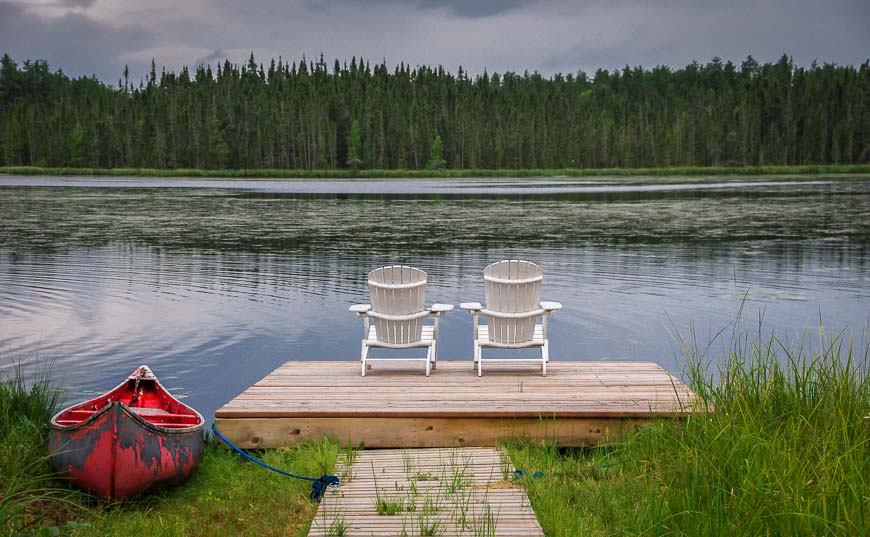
{"type": "Point", "coordinates": [784, 450]}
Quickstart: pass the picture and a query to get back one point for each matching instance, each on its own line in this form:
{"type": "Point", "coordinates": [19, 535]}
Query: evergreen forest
{"type": "Point", "coordinates": [308, 115]}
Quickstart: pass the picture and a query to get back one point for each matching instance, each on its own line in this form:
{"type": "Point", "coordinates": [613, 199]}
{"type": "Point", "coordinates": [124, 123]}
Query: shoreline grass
{"type": "Point", "coordinates": [785, 452]}
{"type": "Point", "coordinates": [31, 499]}
{"type": "Point", "coordinates": [678, 171]}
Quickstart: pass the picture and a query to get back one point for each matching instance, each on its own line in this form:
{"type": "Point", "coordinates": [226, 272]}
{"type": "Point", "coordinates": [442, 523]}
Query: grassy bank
{"type": "Point", "coordinates": [786, 452]}
{"type": "Point", "coordinates": [418, 174]}
{"type": "Point", "coordinates": [225, 496]}
{"type": "Point", "coordinates": [30, 497]}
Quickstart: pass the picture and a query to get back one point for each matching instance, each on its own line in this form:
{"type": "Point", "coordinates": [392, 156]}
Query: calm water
{"type": "Point", "coordinates": [215, 283]}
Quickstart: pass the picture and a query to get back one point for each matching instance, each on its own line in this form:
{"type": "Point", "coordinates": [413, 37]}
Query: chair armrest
{"type": "Point", "coordinates": [551, 306]}
{"type": "Point", "coordinates": [360, 309]}
{"type": "Point", "coordinates": [441, 308]}
{"type": "Point", "coordinates": [471, 307]}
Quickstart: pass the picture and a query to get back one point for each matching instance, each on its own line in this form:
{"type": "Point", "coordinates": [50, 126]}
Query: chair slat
{"type": "Point", "coordinates": [516, 296]}
{"type": "Point", "coordinates": [403, 296]}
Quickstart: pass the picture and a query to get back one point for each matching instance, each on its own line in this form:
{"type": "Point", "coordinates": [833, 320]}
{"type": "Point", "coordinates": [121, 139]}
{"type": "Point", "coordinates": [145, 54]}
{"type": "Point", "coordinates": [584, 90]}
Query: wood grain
{"type": "Point", "coordinates": [578, 404]}
{"type": "Point", "coordinates": [425, 482]}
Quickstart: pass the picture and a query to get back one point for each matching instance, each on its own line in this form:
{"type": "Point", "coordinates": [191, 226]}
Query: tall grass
{"type": "Point", "coordinates": [784, 450]}
{"type": "Point", "coordinates": [446, 173]}
{"type": "Point", "coordinates": [29, 494]}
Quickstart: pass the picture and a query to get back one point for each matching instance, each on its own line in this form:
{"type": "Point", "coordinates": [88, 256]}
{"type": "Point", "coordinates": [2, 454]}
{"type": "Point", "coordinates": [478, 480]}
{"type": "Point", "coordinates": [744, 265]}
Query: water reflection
{"type": "Point", "coordinates": [216, 287]}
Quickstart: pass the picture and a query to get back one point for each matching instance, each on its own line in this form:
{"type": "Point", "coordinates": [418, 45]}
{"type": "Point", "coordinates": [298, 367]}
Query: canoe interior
{"type": "Point", "coordinates": [144, 396]}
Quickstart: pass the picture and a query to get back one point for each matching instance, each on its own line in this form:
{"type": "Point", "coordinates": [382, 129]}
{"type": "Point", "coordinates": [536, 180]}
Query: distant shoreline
{"type": "Point", "coordinates": [682, 171]}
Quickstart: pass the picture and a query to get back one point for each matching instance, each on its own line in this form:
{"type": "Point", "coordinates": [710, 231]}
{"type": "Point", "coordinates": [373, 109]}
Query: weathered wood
{"type": "Point", "coordinates": [462, 491]}
{"type": "Point", "coordinates": [578, 404]}
{"type": "Point", "coordinates": [269, 433]}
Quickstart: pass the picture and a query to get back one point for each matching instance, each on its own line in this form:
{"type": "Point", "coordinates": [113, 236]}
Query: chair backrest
{"type": "Point", "coordinates": [512, 286]}
{"type": "Point", "coordinates": [398, 290]}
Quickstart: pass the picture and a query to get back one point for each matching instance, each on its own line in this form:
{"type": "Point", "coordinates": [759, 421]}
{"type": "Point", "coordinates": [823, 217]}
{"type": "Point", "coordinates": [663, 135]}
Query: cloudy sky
{"type": "Point", "coordinates": [101, 36]}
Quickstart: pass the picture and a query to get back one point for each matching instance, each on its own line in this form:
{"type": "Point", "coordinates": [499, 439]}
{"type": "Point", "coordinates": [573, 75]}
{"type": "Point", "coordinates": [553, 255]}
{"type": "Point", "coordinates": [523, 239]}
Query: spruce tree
{"type": "Point", "coordinates": [301, 115]}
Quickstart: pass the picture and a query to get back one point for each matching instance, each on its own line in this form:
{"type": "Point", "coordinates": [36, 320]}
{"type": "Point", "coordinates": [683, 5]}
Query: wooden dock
{"type": "Point", "coordinates": [445, 492]}
{"type": "Point", "coordinates": [395, 405]}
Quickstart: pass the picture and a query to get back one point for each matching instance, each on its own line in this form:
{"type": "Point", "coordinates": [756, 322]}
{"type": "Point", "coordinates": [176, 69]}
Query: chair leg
{"type": "Point", "coordinates": [434, 359]}
{"type": "Point", "coordinates": [363, 356]}
{"type": "Point", "coordinates": [479, 353]}
{"type": "Point", "coordinates": [545, 357]}
{"type": "Point", "coordinates": [429, 360]}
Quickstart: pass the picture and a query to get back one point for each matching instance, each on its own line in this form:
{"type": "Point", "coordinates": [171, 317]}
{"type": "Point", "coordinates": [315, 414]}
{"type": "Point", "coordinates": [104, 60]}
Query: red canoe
{"type": "Point", "coordinates": [135, 438]}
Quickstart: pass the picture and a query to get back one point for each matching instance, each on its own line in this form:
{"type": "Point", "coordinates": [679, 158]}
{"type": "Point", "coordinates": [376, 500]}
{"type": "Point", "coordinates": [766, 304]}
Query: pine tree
{"type": "Point", "coordinates": [303, 115]}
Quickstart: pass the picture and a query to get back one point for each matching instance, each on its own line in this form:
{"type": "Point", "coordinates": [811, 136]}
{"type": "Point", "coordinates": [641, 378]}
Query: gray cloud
{"type": "Point", "coordinates": [214, 56]}
{"type": "Point", "coordinates": [79, 3]}
{"type": "Point", "coordinates": [83, 37]}
{"type": "Point", "coordinates": [460, 8]}
{"type": "Point", "coordinates": [73, 41]}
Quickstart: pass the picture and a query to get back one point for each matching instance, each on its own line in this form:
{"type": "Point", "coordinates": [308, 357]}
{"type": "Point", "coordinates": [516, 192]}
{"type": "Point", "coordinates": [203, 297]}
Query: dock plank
{"type": "Point", "coordinates": [577, 403]}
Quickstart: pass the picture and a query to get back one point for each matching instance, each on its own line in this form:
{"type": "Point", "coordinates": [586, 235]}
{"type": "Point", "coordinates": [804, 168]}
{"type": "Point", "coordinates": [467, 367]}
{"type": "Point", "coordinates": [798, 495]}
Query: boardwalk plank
{"type": "Point", "coordinates": [484, 499]}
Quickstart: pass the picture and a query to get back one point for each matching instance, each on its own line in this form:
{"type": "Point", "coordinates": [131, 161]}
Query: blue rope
{"type": "Point", "coordinates": [520, 473]}
{"type": "Point", "coordinates": [318, 484]}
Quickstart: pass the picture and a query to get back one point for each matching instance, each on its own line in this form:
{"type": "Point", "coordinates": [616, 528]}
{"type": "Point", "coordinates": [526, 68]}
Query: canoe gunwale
{"type": "Point", "coordinates": [142, 373]}
{"type": "Point", "coordinates": [137, 419]}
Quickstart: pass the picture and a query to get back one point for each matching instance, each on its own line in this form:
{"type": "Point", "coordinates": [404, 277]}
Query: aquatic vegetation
{"type": "Point", "coordinates": [328, 173]}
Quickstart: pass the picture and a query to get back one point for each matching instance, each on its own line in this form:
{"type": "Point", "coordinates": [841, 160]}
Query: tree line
{"type": "Point", "coordinates": [306, 115]}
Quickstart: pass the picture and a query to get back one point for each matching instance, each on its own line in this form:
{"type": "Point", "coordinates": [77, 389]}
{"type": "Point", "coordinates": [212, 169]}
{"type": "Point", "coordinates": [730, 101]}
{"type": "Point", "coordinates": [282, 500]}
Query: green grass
{"type": "Point", "coordinates": [785, 452]}
{"type": "Point", "coordinates": [445, 173]}
{"type": "Point", "coordinates": [30, 497]}
{"type": "Point", "coordinates": [226, 496]}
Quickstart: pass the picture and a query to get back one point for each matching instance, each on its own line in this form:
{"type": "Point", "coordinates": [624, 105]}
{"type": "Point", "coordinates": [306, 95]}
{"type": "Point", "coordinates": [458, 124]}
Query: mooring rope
{"type": "Point", "coordinates": [519, 473]}
{"type": "Point", "coordinates": [318, 484]}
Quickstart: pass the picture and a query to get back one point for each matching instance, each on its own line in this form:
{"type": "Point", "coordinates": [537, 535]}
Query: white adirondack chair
{"type": "Point", "coordinates": [398, 295]}
{"type": "Point", "coordinates": [513, 291]}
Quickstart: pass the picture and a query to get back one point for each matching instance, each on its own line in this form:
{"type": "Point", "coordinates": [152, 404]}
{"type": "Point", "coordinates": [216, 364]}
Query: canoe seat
{"type": "Point", "coordinates": [144, 411]}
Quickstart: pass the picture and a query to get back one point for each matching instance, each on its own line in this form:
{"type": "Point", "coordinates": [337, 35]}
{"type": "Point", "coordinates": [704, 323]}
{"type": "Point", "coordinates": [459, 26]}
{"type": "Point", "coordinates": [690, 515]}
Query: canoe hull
{"type": "Point", "coordinates": [116, 446]}
{"type": "Point", "coordinates": [116, 455]}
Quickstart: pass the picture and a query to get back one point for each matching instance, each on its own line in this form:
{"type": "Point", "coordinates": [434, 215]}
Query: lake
{"type": "Point", "coordinates": [215, 283]}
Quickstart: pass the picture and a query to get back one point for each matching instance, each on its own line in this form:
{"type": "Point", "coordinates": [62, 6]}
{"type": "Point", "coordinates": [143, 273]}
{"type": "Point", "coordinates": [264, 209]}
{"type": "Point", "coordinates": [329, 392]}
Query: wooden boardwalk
{"type": "Point", "coordinates": [444, 492]}
{"type": "Point", "coordinates": [395, 405]}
